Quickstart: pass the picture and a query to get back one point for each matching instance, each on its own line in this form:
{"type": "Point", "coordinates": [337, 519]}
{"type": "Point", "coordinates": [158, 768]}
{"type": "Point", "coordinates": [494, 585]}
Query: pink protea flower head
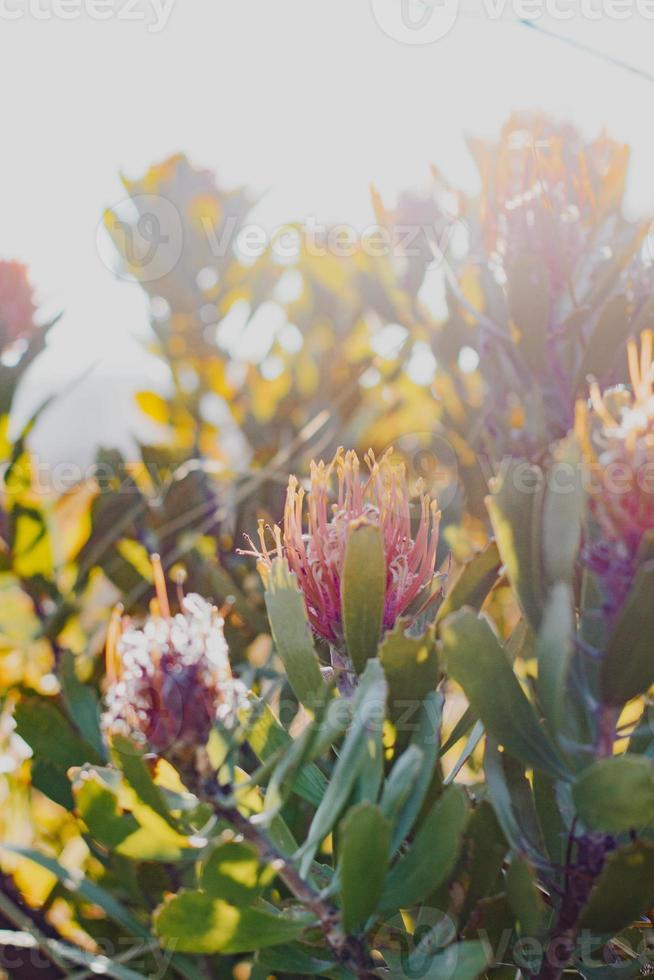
{"type": "Point", "coordinates": [617, 435]}
{"type": "Point", "coordinates": [171, 680]}
{"type": "Point", "coordinates": [314, 543]}
{"type": "Point", "coordinates": [16, 303]}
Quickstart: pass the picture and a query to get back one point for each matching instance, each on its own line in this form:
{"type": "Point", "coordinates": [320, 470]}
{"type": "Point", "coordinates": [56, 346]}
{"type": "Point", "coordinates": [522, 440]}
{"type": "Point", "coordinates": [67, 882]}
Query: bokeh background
{"type": "Point", "coordinates": [305, 103]}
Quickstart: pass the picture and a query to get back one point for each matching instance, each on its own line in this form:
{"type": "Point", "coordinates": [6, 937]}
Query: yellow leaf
{"type": "Point", "coordinates": [153, 405]}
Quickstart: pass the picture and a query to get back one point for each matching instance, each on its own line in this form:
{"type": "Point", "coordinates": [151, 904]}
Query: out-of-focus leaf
{"type": "Point", "coordinates": [460, 961]}
{"type": "Point", "coordinates": [367, 715]}
{"type": "Point", "coordinates": [472, 741]}
{"type": "Point", "coordinates": [549, 816]}
{"type": "Point", "coordinates": [426, 738]}
{"type": "Point", "coordinates": [411, 668]}
{"type": "Point", "coordinates": [528, 293]}
{"type": "Point", "coordinates": [515, 508]}
{"type": "Point", "coordinates": [56, 746]}
{"type": "Point", "coordinates": [563, 505]}
{"type": "Point", "coordinates": [363, 592]}
{"type": "Point", "coordinates": [292, 634]}
{"type": "Point", "coordinates": [432, 855]}
{"type": "Point", "coordinates": [555, 646]}
{"type": "Point", "coordinates": [266, 736]}
{"type": "Point", "coordinates": [296, 960]}
{"type": "Point", "coordinates": [474, 582]}
{"type": "Point", "coordinates": [194, 922]}
{"type": "Point", "coordinates": [401, 781]}
{"type": "Point", "coordinates": [81, 702]}
{"type": "Point", "coordinates": [139, 833]}
{"type": "Point", "coordinates": [510, 793]}
{"type": "Point", "coordinates": [154, 406]}
{"type": "Point", "coordinates": [628, 664]}
{"type": "Point", "coordinates": [365, 841]}
{"type": "Point", "coordinates": [524, 897]}
{"type": "Point", "coordinates": [616, 794]}
{"type": "Point", "coordinates": [128, 756]}
{"type": "Point", "coordinates": [233, 872]}
{"type": "Point", "coordinates": [477, 661]}
{"type": "Point", "coordinates": [98, 808]}
{"type": "Point", "coordinates": [80, 885]}
{"type": "Point", "coordinates": [624, 891]}
{"type": "Point", "coordinates": [611, 330]}
{"type": "Point", "coordinates": [483, 853]}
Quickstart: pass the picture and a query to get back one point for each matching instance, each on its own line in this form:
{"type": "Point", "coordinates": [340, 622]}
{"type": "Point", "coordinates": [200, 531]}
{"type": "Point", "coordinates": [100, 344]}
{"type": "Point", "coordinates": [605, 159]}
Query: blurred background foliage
{"type": "Point", "coordinates": [459, 329]}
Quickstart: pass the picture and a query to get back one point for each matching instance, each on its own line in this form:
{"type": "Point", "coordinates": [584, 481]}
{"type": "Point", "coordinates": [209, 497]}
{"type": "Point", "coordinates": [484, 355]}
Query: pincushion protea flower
{"type": "Point", "coordinates": [170, 681]}
{"type": "Point", "coordinates": [617, 434]}
{"type": "Point", "coordinates": [317, 554]}
{"type": "Point", "coordinates": [16, 305]}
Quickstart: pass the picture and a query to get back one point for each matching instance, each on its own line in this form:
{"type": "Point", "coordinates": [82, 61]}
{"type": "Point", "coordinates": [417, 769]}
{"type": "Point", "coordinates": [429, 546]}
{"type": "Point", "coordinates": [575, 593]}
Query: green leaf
{"type": "Point", "coordinates": [609, 335]}
{"type": "Point", "coordinates": [426, 738]}
{"type": "Point", "coordinates": [292, 634]}
{"type": "Point", "coordinates": [194, 922]}
{"type": "Point", "coordinates": [401, 781]}
{"type": "Point", "coordinates": [52, 781]}
{"type": "Point", "coordinates": [81, 886]}
{"type": "Point", "coordinates": [524, 897]}
{"type": "Point", "coordinates": [460, 961]}
{"type": "Point", "coordinates": [233, 872]}
{"type": "Point", "coordinates": [82, 703]}
{"type": "Point", "coordinates": [128, 756]}
{"type": "Point", "coordinates": [432, 855]}
{"type": "Point", "coordinates": [49, 734]}
{"type": "Point", "coordinates": [563, 507]}
{"type": "Point", "coordinates": [515, 508]}
{"type": "Point", "coordinates": [511, 794]}
{"type": "Point", "coordinates": [474, 582]}
{"type": "Point", "coordinates": [616, 794]}
{"type": "Point", "coordinates": [549, 816]}
{"type": "Point", "coordinates": [411, 668]}
{"type": "Point", "coordinates": [367, 717]}
{"type": "Point", "coordinates": [554, 648]}
{"type": "Point", "coordinates": [98, 807]}
{"type": "Point", "coordinates": [365, 837]}
{"type": "Point", "coordinates": [483, 854]}
{"type": "Point", "coordinates": [266, 737]}
{"type": "Point", "coordinates": [295, 960]}
{"type": "Point", "coordinates": [363, 591]}
{"type": "Point", "coordinates": [528, 294]}
{"type": "Point", "coordinates": [628, 664]}
{"type": "Point", "coordinates": [624, 891]}
{"type": "Point", "coordinates": [478, 662]}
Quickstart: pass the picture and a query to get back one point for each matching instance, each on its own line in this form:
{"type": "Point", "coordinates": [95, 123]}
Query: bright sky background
{"type": "Point", "coordinates": [306, 100]}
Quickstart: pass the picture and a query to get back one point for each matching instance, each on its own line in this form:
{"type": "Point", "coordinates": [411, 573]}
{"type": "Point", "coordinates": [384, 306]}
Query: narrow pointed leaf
{"type": "Point", "coordinates": [478, 662]}
{"type": "Point", "coordinates": [365, 841]}
{"type": "Point", "coordinates": [363, 592]}
{"type": "Point", "coordinates": [292, 634]}
{"type": "Point", "coordinates": [432, 854]}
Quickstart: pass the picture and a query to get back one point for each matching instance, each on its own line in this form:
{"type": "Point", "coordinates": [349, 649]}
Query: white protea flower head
{"type": "Point", "coordinates": [171, 680]}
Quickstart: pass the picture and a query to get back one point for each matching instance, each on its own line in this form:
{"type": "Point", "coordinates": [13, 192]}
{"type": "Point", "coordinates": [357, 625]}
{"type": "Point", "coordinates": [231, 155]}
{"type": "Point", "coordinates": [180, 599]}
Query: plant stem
{"type": "Point", "coordinates": [578, 880]}
{"type": "Point", "coordinates": [350, 951]}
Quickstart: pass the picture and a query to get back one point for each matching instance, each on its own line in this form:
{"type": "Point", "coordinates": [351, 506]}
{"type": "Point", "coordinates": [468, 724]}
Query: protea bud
{"type": "Point", "coordinates": [171, 680]}
{"type": "Point", "coordinates": [317, 554]}
{"type": "Point", "coordinates": [16, 304]}
{"type": "Point", "coordinates": [617, 433]}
